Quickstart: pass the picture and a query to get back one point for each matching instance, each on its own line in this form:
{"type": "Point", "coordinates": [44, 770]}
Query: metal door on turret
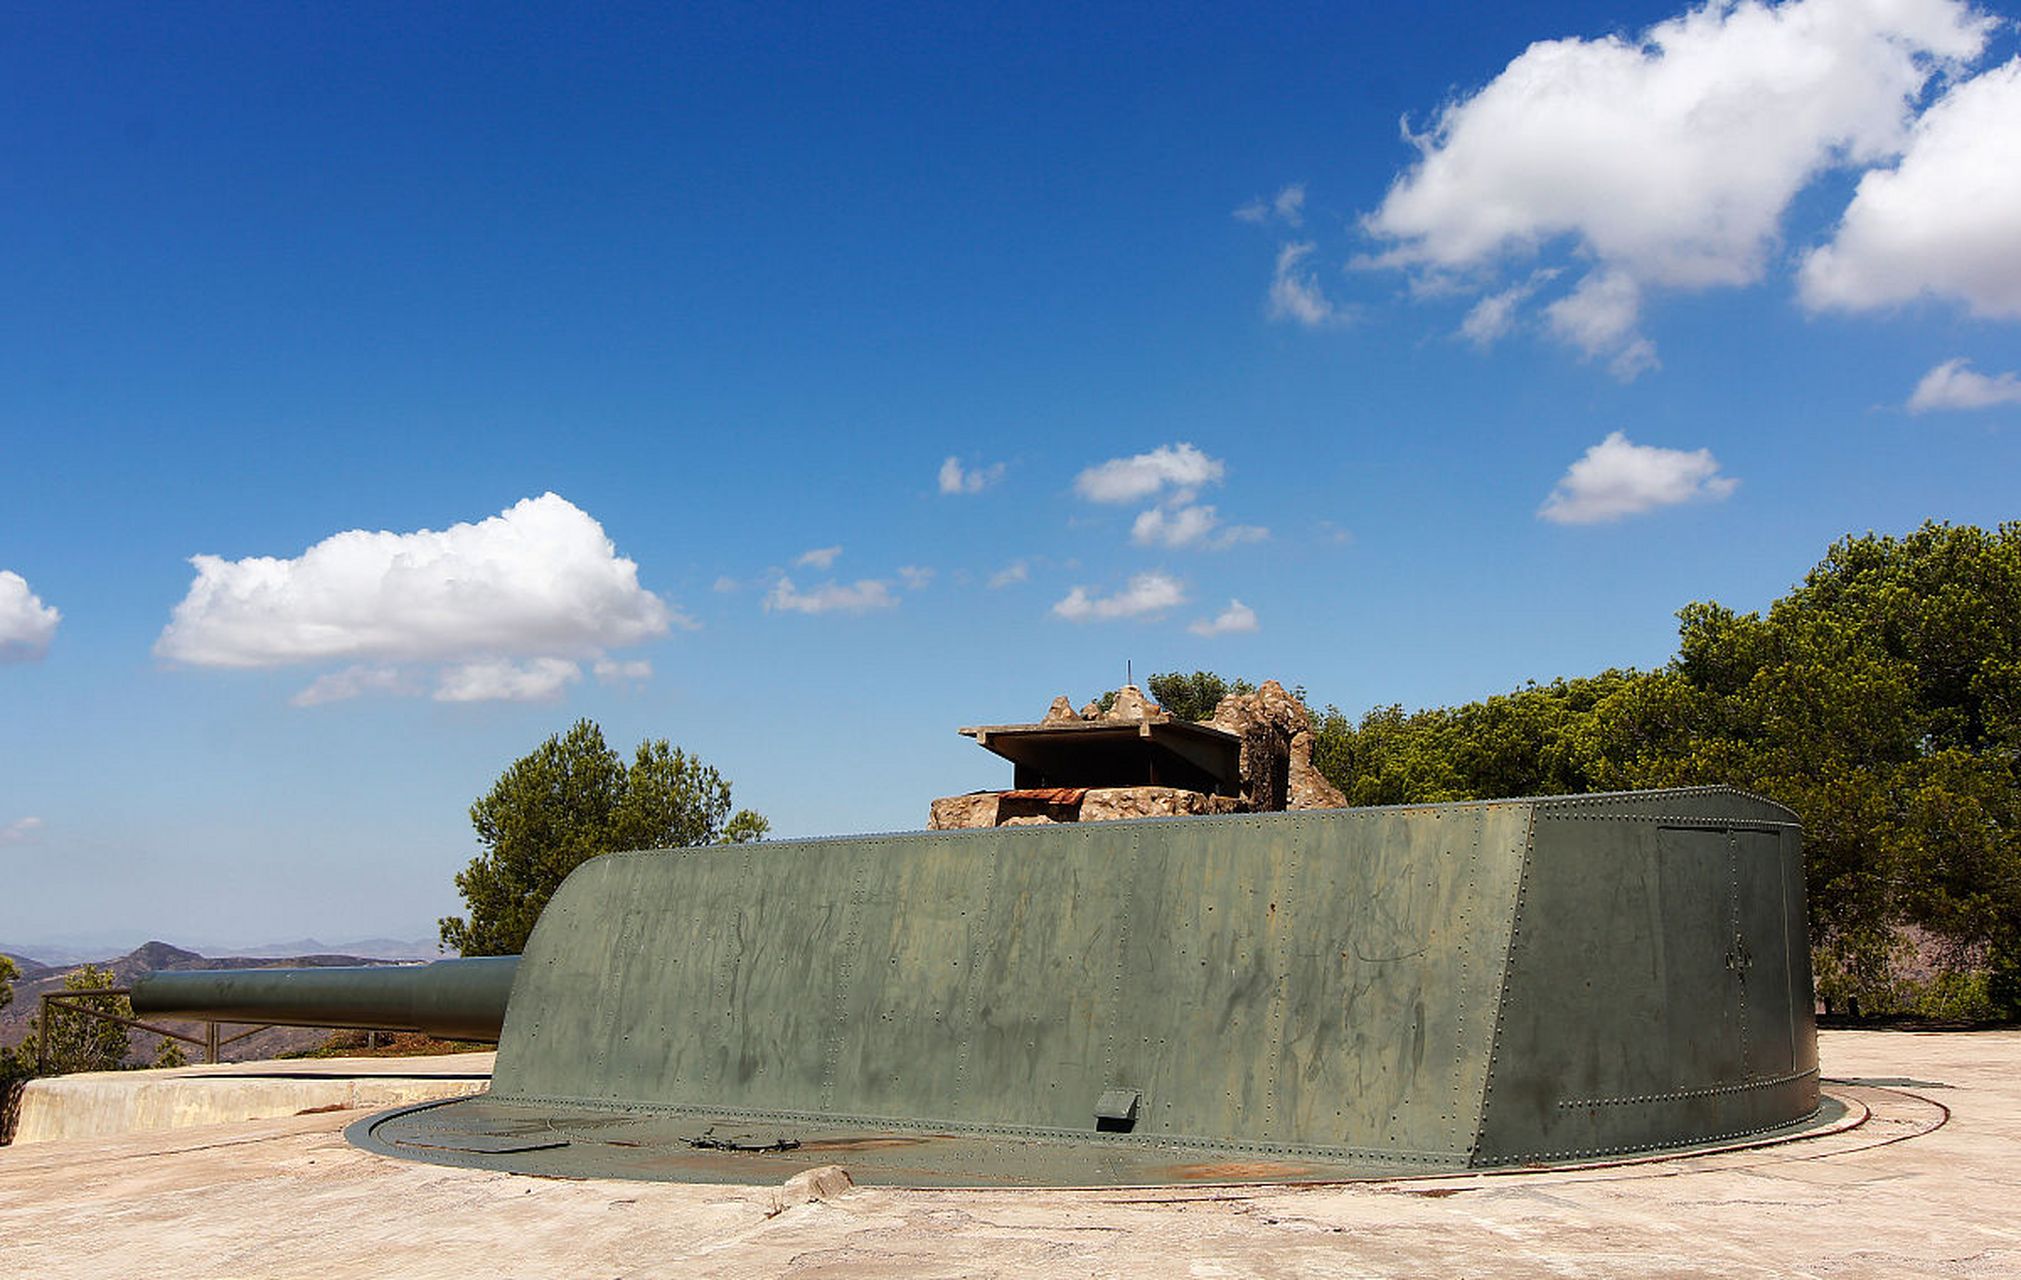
{"type": "Point", "coordinates": [1761, 922]}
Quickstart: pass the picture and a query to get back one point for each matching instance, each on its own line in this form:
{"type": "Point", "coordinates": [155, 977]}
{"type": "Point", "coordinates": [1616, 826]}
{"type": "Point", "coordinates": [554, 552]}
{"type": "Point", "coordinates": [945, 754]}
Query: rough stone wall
{"type": "Point", "coordinates": [1100, 804]}
{"type": "Point", "coordinates": [1277, 741]}
{"type": "Point", "coordinates": [1112, 804]}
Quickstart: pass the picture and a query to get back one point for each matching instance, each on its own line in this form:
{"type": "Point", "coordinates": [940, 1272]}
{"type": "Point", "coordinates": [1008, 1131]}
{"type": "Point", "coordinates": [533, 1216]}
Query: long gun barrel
{"type": "Point", "coordinates": [456, 999]}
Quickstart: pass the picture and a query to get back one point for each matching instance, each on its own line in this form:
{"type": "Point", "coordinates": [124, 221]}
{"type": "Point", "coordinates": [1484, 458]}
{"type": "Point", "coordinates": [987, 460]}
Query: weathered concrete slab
{"type": "Point", "coordinates": [289, 1198]}
{"type": "Point", "coordinates": [106, 1103]}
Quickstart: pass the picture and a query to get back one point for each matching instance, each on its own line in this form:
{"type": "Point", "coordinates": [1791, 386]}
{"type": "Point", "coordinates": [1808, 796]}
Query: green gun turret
{"type": "Point", "coordinates": [1310, 995]}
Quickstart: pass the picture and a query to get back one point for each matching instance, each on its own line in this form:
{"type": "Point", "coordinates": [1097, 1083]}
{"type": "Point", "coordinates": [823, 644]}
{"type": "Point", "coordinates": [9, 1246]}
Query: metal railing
{"type": "Point", "coordinates": [78, 1002]}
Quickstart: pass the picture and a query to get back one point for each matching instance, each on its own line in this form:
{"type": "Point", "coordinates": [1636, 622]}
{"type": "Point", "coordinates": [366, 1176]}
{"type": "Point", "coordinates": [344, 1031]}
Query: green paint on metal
{"type": "Point", "coordinates": [1278, 997]}
{"type": "Point", "coordinates": [1659, 987]}
{"type": "Point", "coordinates": [1299, 979]}
{"type": "Point", "coordinates": [459, 999]}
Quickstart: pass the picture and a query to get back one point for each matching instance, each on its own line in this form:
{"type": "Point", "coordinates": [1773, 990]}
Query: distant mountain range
{"type": "Point", "coordinates": [39, 975]}
{"type": "Point", "coordinates": [48, 955]}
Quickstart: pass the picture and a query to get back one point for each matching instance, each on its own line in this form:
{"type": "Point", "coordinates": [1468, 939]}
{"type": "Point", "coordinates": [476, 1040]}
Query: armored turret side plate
{"type": "Point", "coordinates": [1316, 995]}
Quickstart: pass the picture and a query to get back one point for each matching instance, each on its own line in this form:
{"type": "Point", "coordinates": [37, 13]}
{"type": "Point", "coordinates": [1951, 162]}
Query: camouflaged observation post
{"type": "Point", "coordinates": [1313, 994]}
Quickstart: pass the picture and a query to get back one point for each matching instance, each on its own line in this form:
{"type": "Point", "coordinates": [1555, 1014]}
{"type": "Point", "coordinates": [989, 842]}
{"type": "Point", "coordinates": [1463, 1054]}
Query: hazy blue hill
{"type": "Point", "coordinates": [27, 968]}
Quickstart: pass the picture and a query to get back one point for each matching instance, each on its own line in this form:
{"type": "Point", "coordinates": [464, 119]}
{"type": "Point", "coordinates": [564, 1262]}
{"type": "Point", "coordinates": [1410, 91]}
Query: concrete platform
{"type": "Point", "coordinates": [1925, 1187]}
{"type": "Point", "coordinates": [102, 1104]}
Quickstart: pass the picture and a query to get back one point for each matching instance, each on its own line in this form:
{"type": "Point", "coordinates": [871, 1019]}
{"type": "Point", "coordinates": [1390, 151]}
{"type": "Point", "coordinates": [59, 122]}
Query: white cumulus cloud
{"type": "Point", "coordinates": [1169, 466]}
{"type": "Point", "coordinates": [1236, 619]}
{"type": "Point", "coordinates": [820, 557]}
{"type": "Point", "coordinates": [1146, 595]}
{"type": "Point", "coordinates": [504, 680]}
{"type": "Point", "coordinates": [1955, 385]}
{"type": "Point", "coordinates": [1619, 478]}
{"type": "Point", "coordinates": [1667, 159]}
{"type": "Point", "coordinates": [916, 577]}
{"type": "Point", "coordinates": [27, 625]}
{"type": "Point", "coordinates": [20, 831]}
{"type": "Point", "coordinates": [1171, 474]}
{"type": "Point", "coordinates": [1014, 572]}
{"type": "Point", "coordinates": [1946, 221]}
{"type": "Point", "coordinates": [1294, 290]}
{"type": "Point", "coordinates": [538, 581]}
{"type": "Point", "coordinates": [830, 597]}
{"type": "Point", "coordinates": [955, 478]}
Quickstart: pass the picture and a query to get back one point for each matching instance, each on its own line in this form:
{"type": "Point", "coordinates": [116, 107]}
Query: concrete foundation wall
{"type": "Point", "coordinates": [100, 1103]}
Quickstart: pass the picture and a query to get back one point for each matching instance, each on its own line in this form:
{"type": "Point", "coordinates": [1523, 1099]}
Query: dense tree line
{"type": "Point", "coordinates": [1880, 699]}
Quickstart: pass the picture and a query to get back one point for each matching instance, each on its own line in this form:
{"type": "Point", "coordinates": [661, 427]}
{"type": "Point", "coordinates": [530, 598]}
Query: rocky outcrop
{"type": "Point", "coordinates": [1277, 741]}
{"type": "Point", "coordinates": [959, 813]}
{"type": "Point", "coordinates": [1131, 704]}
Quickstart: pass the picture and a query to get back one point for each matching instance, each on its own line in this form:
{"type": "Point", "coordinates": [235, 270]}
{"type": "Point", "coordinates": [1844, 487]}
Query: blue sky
{"type": "Point", "coordinates": [1403, 355]}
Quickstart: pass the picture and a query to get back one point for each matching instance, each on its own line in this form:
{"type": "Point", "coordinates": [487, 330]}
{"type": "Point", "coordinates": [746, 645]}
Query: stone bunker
{"type": "Point", "coordinates": [1133, 759]}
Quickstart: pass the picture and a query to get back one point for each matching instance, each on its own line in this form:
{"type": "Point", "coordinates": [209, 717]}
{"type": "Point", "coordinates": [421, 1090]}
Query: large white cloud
{"type": "Point", "coordinates": [27, 625]}
{"type": "Point", "coordinates": [1954, 384]}
{"type": "Point", "coordinates": [1668, 159]}
{"type": "Point", "coordinates": [1147, 595]}
{"type": "Point", "coordinates": [539, 581]}
{"type": "Point", "coordinates": [1618, 477]}
{"type": "Point", "coordinates": [1946, 221]}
